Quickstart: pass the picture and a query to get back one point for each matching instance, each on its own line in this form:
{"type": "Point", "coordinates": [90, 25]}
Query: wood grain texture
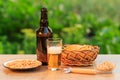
{"type": "Point", "coordinates": [42, 73]}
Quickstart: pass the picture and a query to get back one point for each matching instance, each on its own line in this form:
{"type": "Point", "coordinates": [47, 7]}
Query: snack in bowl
{"type": "Point", "coordinates": [79, 55]}
{"type": "Point", "coordinates": [22, 64]}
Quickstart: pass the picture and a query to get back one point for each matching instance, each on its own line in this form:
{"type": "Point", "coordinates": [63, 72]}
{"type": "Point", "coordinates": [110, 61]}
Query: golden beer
{"type": "Point", "coordinates": [53, 60]}
{"type": "Point", "coordinates": [53, 56]}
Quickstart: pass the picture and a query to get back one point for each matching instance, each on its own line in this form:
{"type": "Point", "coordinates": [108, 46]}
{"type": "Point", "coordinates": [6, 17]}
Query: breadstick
{"type": "Point", "coordinates": [83, 71]}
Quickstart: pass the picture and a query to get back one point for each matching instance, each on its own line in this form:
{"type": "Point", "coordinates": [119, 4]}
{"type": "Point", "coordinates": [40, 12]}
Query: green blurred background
{"type": "Point", "coordinates": [95, 22]}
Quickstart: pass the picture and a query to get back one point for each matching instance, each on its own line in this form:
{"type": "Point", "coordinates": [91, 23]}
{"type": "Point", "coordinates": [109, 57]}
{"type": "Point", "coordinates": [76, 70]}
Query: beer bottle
{"type": "Point", "coordinates": [42, 34]}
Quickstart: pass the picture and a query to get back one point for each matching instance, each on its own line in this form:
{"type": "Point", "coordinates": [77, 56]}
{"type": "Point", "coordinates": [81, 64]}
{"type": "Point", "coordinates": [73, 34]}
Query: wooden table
{"type": "Point", "coordinates": [43, 73]}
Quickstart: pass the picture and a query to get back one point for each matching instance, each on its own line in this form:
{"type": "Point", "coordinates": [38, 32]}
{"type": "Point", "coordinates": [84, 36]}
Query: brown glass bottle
{"type": "Point", "coordinates": [42, 34]}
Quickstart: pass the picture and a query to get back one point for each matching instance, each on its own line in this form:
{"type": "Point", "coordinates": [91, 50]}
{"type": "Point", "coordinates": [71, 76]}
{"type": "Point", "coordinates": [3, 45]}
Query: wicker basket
{"type": "Point", "coordinates": [79, 55]}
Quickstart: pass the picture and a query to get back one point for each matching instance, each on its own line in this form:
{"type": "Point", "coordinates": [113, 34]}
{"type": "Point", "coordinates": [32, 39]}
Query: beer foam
{"type": "Point", "coordinates": [54, 50]}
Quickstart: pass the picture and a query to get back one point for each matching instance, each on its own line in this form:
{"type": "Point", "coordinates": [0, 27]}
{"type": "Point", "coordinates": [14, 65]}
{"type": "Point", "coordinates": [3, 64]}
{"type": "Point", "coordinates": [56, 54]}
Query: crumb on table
{"type": "Point", "coordinates": [105, 66]}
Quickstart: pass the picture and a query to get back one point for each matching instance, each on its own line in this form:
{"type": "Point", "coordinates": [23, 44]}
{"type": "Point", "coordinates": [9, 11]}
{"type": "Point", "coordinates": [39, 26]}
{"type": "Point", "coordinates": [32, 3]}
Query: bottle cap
{"type": "Point", "coordinates": [44, 9]}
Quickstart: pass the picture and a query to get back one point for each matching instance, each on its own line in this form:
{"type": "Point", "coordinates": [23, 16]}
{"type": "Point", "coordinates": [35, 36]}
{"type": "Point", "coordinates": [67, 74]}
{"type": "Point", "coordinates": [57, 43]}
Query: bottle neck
{"type": "Point", "coordinates": [44, 18]}
{"type": "Point", "coordinates": [43, 23]}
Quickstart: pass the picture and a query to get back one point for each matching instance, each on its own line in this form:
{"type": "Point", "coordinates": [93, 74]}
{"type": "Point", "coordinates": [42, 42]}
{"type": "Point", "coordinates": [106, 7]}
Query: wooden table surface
{"type": "Point", "coordinates": [43, 73]}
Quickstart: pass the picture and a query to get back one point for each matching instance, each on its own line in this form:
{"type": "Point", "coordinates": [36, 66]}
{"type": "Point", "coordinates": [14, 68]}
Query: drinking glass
{"type": "Point", "coordinates": [54, 49]}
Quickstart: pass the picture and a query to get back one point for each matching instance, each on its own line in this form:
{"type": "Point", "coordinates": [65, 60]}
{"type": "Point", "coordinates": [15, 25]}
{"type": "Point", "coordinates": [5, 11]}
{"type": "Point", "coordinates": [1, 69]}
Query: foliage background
{"type": "Point", "coordinates": [94, 22]}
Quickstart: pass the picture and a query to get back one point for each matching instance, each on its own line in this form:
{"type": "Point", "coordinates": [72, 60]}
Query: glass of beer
{"type": "Point", "coordinates": [54, 49]}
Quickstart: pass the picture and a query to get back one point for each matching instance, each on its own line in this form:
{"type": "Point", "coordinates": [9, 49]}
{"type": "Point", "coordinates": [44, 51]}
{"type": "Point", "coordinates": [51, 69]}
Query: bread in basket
{"type": "Point", "coordinates": [79, 55]}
